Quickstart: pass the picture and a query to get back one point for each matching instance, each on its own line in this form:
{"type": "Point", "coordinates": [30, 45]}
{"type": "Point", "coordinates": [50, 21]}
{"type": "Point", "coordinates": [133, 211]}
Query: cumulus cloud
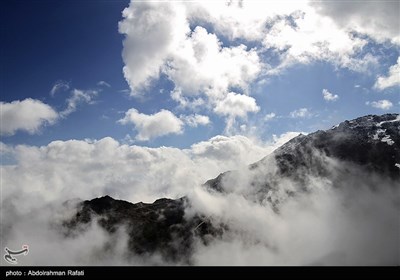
{"type": "Point", "coordinates": [380, 104]}
{"type": "Point", "coordinates": [236, 105]}
{"type": "Point", "coordinates": [193, 60]}
{"type": "Point", "coordinates": [59, 86]}
{"type": "Point", "coordinates": [301, 33]}
{"type": "Point", "coordinates": [195, 120]}
{"type": "Point", "coordinates": [28, 115]}
{"type": "Point", "coordinates": [152, 126]}
{"type": "Point", "coordinates": [204, 66]}
{"type": "Point", "coordinates": [328, 96]}
{"type": "Point", "coordinates": [392, 78]}
{"type": "Point", "coordinates": [152, 30]}
{"type": "Point", "coordinates": [377, 19]}
{"type": "Point", "coordinates": [186, 101]}
{"type": "Point", "coordinates": [31, 115]}
{"type": "Point", "coordinates": [201, 68]}
{"type": "Point", "coordinates": [213, 50]}
{"type": "Point", "coordinates": [222, 148]}
{"type": "Point", "coordinates": [301, 113]}
{"type": "Point", "coordinates": [301, 42]}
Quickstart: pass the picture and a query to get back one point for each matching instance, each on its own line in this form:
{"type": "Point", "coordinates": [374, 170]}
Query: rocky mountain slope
{"type": "Point", "coordinates": [152, 227]}
{"type": "Point", "coordinates": [366, 145]}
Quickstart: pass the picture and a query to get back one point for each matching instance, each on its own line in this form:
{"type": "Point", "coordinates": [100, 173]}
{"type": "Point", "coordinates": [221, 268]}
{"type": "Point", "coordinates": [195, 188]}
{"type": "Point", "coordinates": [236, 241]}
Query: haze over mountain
{"type": "Point", "coordinates": [350, 172]}
{"type": "Point", "coordinates": [200, 132]}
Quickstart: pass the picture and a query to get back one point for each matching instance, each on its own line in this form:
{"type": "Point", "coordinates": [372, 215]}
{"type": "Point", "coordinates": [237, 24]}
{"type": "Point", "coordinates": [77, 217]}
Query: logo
{"type": "Point", "coordinates": [10, 253]}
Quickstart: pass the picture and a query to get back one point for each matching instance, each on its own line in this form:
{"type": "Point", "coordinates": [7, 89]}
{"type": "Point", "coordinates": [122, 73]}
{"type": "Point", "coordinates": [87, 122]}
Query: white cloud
{"type": "Point", "coordinates": [202, 69]}
{"type": "Point", "coordinates": [40, 188]}
{"type": "Point", "coordinates": [301, 113]}
{"type": "Point", "coordinates": [269, 117]}
{"type": "Point", "coordinates": [27, 115]}
{"type": "Point", "coordinates": [377, 19]}
{"type": "Point", "coordinates": [64, 170]}
{"type": "Point", "coordinates": [299, 33]}
{"type": "Point", "coordinates": [358, 233]}
{"type": "Point", "coordinates": [343, 233]}
{"type": "Point", "coordinates": [152, 31]}
{"type": "Point", "coordinates": [78, 97]}
{"type": "Point", "coordinates": [240, 19]}
{"type": "Point", "coordinates": [328, 96]}
{"type": "Point", "coordinates": [59, 86]}
{"type": "Point", "coordinates": [103, 84]}
{"type": "Point", "coordinates": [311, 38]}
{"type": "Point", "coordinates": [5, 149]}
{"type": "Point", "coordinates": [381, 104]}
{"type": "Point", "coordinates": [204, 66]}
{"type": "Point", "coordinates": [195, 120]}
{"type": "Point", "coordinates": [223, 149]}
{"type": "Point", "coordinates": [392, 79]}
{"type": "Point", "coordinates": [361, 232]}
{"type": "Point", "coordinates": [236, 105]}
{"type": "Point", "coordinates": [152, 126]}
{"type": "Point", "coordinates": [231, 152]}
{"type": "Point", "coordinates": [195, 61]}
{"type": "Point", "coordinates": [30, 114]}
{"type": "Point", "coordinates": [170, 38]}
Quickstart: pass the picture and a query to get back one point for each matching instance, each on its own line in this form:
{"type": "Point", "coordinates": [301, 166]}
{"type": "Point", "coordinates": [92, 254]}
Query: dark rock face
{"type": "Point", "coordinates": [370, 143]}
{"type": "Point", "coordinates": [152, 227]}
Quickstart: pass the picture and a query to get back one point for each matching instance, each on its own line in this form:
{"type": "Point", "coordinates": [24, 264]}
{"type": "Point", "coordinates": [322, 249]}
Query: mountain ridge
{"type": "Point", "coordinates": [369, 143]}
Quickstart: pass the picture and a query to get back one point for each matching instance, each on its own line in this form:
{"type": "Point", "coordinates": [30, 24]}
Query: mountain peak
{"type": "Point", "coordinates": [368, 145]}
{"type": "Point", "coordinates": [370, 142]}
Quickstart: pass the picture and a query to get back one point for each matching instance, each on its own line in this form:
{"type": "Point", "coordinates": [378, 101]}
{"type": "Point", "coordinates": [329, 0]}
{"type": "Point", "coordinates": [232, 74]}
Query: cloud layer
{"type": "Point", "coordinates": [347, 224]}
{"type": "Point", "coordinates": [41, 188]}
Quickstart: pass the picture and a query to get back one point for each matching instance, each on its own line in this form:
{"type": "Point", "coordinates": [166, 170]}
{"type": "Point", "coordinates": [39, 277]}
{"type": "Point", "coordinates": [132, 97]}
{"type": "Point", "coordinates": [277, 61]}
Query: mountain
{"type": "Point", "coordinates": [152, 227]}
{"type": "Point", "coordinates": [352, 152]}
{"type": "Point", "coordinates": [369, 144]}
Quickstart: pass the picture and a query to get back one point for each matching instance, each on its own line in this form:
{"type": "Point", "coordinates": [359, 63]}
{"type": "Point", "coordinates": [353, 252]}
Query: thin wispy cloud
{"type": "Point", "coordinates": [301, 113]}
{"type": "Point", "coordinates": [58, 87]}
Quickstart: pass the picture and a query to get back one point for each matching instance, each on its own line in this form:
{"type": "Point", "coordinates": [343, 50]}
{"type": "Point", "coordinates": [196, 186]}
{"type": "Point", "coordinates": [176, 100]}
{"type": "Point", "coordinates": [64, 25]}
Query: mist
{"type": "Point", "coordinates": [350, 217]}
{"type": "Point", "coordinates": [354, 224]}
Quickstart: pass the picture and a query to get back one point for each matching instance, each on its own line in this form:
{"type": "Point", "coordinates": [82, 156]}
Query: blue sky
{"type": "Point", "coordinates": [265, 74]}
{"type": "Point", "coordinates": [142, 100]}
